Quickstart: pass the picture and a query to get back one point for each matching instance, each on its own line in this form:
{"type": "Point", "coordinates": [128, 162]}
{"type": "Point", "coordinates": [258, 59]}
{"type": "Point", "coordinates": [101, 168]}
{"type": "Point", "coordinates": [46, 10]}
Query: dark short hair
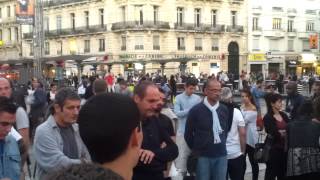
{"type": "Point", "coordinates": [84, 171]}
{"type": "Point", "coordinates": [305, 108]}
{"type": "Point", "coordinates": [7, 105]}
{"type": "Point", "coordinates": [210, 80]}
{"type": "Point", "coordinates": [99, 86]}
{"type": "Point", "coordinates": [191, 82]}
{"type": "Point", "coordinates": [141, 88]}
{"type": "Point", "coordinates": [271, 98]}
{"type": "Point", "coordinates": [65, 94]}
{"type": "Point", "coordinates": [106, 123]}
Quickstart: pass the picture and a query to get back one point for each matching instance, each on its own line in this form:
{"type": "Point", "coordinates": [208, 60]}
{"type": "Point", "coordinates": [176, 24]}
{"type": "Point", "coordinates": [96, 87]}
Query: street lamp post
{"type": "Point", "coordinates": [38, 39]}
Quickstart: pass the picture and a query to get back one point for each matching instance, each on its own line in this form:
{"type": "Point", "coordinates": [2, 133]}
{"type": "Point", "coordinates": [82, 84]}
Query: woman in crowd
{"type": "Point", "coordinates": [275, 122]}
{"type": "Point", "coordinates": [303, 143]}
{"type": "Point", "coordinates": [250, 113]}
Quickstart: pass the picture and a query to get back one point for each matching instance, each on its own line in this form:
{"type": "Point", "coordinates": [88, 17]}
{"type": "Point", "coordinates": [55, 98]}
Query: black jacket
{"type": "Point", "coordinates": [303, 133]}
{"type": "Point", "coordinates": [296, 101]}
{"type": "Point", "coordinates": [153, 136]}
{"type": "Point", "coordinates": [271, 127]}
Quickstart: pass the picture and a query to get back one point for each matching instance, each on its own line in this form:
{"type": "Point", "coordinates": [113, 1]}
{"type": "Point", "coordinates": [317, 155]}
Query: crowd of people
{"type": "Point", "coordinates": [109, 128]}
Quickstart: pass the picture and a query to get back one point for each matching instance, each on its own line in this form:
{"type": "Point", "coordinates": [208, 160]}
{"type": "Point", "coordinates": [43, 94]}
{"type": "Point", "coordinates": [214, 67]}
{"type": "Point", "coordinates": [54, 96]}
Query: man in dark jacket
{"type": "Point", "coordinates": [293, 101]}
{"type": "Point", "coordinates": [153, 156]}
{"type": "Point", "coordinates": [38, 106]}
{"type": "Point", "coordinates": [206, 133]}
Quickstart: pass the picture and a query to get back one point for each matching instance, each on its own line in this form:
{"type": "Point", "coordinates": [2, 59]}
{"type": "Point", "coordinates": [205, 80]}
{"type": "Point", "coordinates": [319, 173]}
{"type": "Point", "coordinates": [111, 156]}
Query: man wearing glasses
{"type": "Point", "coordinates": [10, 158]}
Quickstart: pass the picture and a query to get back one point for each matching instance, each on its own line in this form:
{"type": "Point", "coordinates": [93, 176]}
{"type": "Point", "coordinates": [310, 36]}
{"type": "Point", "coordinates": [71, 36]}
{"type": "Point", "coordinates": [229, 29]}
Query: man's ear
{"type": "Point", "coordinates": [136, 98]}
{"type": "Point", "coordinates": [56, 108]}
{"type": "Point", "coordinates": [136, 138]}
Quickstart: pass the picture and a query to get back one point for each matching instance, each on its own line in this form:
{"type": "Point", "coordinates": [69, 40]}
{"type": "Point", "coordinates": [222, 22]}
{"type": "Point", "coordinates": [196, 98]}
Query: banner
{"type": "Point", "coordinates": [313, 41]}
{"type": "Point", "coordinates": [257, 57]}
{"type": "Point", "coordinates": [25, 11]}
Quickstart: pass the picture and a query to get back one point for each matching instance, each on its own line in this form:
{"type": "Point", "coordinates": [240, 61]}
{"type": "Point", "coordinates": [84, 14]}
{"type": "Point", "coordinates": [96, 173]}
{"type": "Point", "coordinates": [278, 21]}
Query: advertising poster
{"type": "Point", "coordinates": [25, 11]}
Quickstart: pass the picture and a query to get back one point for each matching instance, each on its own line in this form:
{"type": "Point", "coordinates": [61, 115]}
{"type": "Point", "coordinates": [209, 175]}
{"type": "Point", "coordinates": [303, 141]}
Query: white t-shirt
{"type": "Point", "coordinates": [233, 140]}
{"type": "Point", "coordinates": [22, 120]}
{"type": "Point", "coordinates": [15, 134]}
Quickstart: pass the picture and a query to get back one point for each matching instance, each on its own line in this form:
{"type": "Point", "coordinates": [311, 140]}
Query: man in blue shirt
{"type": "Point", "coordinates": [184, 102]}
{"type": "Point", "coordinates": [10, 158]}
{"type": "Point", "coordinates": [206, 134]}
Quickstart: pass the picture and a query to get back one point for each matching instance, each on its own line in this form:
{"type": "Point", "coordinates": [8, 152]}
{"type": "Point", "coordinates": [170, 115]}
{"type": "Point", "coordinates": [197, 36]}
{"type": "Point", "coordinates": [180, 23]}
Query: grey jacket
{"type": "Point", "coordinates": [48, 148]}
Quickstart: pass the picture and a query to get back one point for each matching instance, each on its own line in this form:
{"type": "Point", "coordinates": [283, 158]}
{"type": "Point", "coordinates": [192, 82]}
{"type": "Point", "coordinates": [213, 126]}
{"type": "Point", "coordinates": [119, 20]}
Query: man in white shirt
{"type": "Point", "coordinates": [236, 139]}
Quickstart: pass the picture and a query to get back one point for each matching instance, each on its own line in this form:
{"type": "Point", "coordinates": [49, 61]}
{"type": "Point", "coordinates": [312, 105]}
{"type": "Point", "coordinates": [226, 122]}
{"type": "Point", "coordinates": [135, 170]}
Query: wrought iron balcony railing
{"type": "Point", "coordinates": [199, 27]}
{"type": "Point", "coordinates": [234, 28]}
{"type": "Point", "coordinates": [71, 31]}
{"type": "Point", "coordinates": [140, 25]}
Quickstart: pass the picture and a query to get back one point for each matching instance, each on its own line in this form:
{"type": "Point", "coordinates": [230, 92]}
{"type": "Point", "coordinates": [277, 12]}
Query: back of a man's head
{"type": "Point", "coordinates": [106, 124]}
{"type": "Point", "coordinates": [99, 86]}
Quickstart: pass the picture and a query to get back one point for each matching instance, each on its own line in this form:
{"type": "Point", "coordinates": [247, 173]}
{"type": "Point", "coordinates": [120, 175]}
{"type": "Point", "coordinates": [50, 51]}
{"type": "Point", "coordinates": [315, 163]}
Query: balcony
{"type": "Point", "coordinates": [137, 25]}
{"type": "Point", "coordinates": [292, 12]}
{"type": "Point", "coordinates": [156, 47]}
{"type": "Point", "coordinates": [28, 35]}
{"type": "Point", "coordinates": [292, 33]}
{"type": "Point", "coordinates": [201, 27]}
{"type": "Point", "coordinates": [257, 10]}
{"type": "Point", "coordinates": [235, 29]}
{"type": "Point", "coordinates": [305, 35]}
{"type": "Point", "coordinates": [235, 1]}
{"type": "Point", "coordinates": [256, 31]}
{"type": "Point", "coordinates": [275, 33]}
{"type": "Point", "coordinates": [51, 3]}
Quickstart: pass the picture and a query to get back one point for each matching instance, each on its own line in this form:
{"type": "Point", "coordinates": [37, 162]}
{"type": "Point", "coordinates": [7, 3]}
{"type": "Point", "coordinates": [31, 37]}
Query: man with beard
{"type": "Point", "coordinates": [157, 147]}
{"type": "Point", "coordinates": [57, 142]}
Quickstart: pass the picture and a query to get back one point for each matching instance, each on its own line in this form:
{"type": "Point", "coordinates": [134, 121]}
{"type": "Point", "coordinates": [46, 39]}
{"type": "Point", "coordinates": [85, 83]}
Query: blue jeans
{"type": "Point", "coordinates": [212, 168]}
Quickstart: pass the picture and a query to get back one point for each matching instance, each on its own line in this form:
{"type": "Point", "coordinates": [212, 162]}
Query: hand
{"type": "Point", "coordinates": [163, 145]}
{"type": "Point", "coordinates": [146, 156]}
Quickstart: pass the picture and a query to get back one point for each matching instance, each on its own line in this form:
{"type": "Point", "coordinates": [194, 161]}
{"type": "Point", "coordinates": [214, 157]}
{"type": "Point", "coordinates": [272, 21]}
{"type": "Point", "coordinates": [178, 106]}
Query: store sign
{"type": "Point", "coordinates": [292, 58]}
{"type": "Point", "coordinates": [167, 56]}
{"type": "Point", "coordinates": [25, 11]}
{"type": "Point", "coordinates": [313, 41]}
{"type": "Point", "coordinates": [257, 57]}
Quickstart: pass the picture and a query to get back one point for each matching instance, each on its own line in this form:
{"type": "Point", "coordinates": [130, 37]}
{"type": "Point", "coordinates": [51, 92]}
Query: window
{"type": "Point", "coordinates": [180, 12]}
{"type": "Point", "coordinates": [46, 48]}
{"type": "Point", "coordinates": [255, 23]}
{"type": "Point", "coordinates": [31, 49]}
{"type": "Point", "coordinates": [290, 25]}
{"type": "Point", "coordinates": [16, 32]}
{"type": "Point", "coordinates": [156, 42]}
{"type": "Point", "coordinates": [290, 45]}
{"type": "Point", "coordinates": [276, 23]}
{"type": "Point", "coordinates": [8, 11]}
{"type": "Point", "coordinates": [86, 19]}
{"type": "Point", "coordinates": [123, 13]}
{"type": "Point", "coordinates": [233, 18]}
{"type": "Point", "coordinates": [274, 45]}
{"type": "Point", "coordinates": [59, 48]}
{"type": "Point", "coordinates": [59, 22]}
{"type": "Point", "coordinates": [101, 14]}
{"type": "Point", "coordinates": [198, 44]}
{"type": "Point", "coordinates": [46, 23]}
{"type": "Point", "coordinates": [73, 21]}
{"type": "Point", "coordinates": [139, 43]}
{"type": "Point", "coordinates": [138, 14]}
{"type": "Point", "coordinates": [101, 45]}
{"type": "Point", "coordinates": [197, 17]}
{"type": "Point", "coordinates": [181, 45]}
{"type": "Point", "coordinates": [155, 14]}
{"type": "Point", "coordinates": [0, 34]}
{"type": "Point", "coordinates": [310, 26]}
{"type": "Point", "coordinates": [0, 13]}
{"type": "Point", "coordinates": [9, 34]}
{"type": "Point", "coordinates": [86, 46]}
{"type": "Point", "coordinates": [255, 45]}
{"type": "Point", "coordinates": [305, 45]}
{"type": "Point", "coordinates": [215, 44]}
{"type": "Point", "coordinates": [123, 43]}
{"type": "Point", "coordinates": [213, 18]}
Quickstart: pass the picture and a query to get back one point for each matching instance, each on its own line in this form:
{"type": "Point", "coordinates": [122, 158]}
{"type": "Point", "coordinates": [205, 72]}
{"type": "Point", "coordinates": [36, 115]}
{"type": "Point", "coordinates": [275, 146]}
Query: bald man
{"type": "Point", "coordinates": [293, 100]}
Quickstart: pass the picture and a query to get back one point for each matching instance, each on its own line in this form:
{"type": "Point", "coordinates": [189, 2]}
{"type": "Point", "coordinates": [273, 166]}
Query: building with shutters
{"type": "Point", "coordinates": [165, 36]}
{"type": "Point", "coordinates": [279, 35]}
{"type": "Point", "coordinates": [12, 65]}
